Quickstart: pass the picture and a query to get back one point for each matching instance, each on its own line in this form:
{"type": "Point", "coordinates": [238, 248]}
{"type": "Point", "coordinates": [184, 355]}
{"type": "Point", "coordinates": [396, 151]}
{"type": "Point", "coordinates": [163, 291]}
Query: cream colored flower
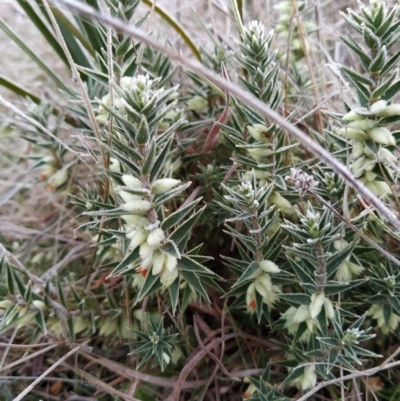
{"type": "Point", "coordinates": [377, 313]}
{"type": "Point", "coordinates": [308, 379]}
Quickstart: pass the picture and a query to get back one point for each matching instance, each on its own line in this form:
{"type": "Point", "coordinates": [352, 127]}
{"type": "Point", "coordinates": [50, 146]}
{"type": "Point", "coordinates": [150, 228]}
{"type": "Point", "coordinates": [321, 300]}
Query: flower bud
{"type": "Point", "coordinates": [39, 304]}
{"type": "Point", "coordinates": [137, 236]}
{"type": "Point", "coordinates": [259, 153]}
{"type": "Point", "coordinates": [145, 250]}
{"type": "Point", "coordinates": [352, 116]}
{"type": "Point", "coordinates": [263, 285]}
{"type": "Point", "coordinates": [329, 311]}
{"type": "Point", "coordinates": [156, 238]}
{"type": "Point", "coordinates": [137, 206]}
{"type": "Point", "coordinates": [269, 267]}
{"type": "Point", "coordinates": [163, 185]}
{"type": "Point", "coordinates": [170, 263]}
{"type": "Point", "coordinates": [108, 326]}
{"type": "Point", "coordinates": [115, 165]}
{"type": "Point", "coordinates": [379, 188]}
{"type": "Point", "coordinates": [378, 107]}
{"type": "Point", "coordinates": [6, 304]}
{"type": "Point", "coordinates": [353, 133]}
{"type": "Point", "coordinates": [256, 131]}
{"type": "Point", "coordinates": [302, 314]}
{"type": "Point", "coordinates": [358, 150]}
{"type": "Point", "coordinates": [283, 7]}
{"type": "Point", "coordinates": [125, 82]}
{"type": "Point", "coordinates": [132, 182]}
{"type": "Point", "coordinates": [136, 220]}
{"type": "Point", "coordinates": [382, 135]}
{"type": "Point", "coordinates": [127, 196]}
{"type": "Point", "coordinates": [317, 300]}
{"type": "Point", "coordinates": [390, 111]}
{"type": "Point", "coordinates": [280, 202]}
{"type": "Point", "coordinates": [27, 318]}
{"type": "Point", "coordinates": [80, 324]}
{"type": "Point", "coordinates": [158, 262]}
{"type": "Point", "coordinates": [363, 125]}
{"type": "Point", "coordinates": [369, 176]}
{"type": "Point", "coordinates": [197, 103]}
{"type": "Point", "coordinates": [58, 179]}
{"type": "Point", "coordinates": [357, 166]}
{"type": "Point", "coordinates": [167, 278]}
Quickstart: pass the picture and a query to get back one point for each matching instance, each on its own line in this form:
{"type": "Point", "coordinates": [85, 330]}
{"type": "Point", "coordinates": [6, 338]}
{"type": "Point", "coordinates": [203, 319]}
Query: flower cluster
{"type": "Point", "coordinates": [363, 127]}
{"type": "Point", "coordinates": [262, 284]}
{"type": "Point", "coordinates": [302, 182]}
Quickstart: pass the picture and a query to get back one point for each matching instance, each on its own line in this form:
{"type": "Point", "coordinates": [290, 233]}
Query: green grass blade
{"type": "Point", "coordinates": [72, 29]}
{"type": "Point", "coordinates": [237, 7]}
{"type": "Point", "coordinates": [90, 29]}
{"type": "Point", "coordinates": [74, 48]}
{"type": "Point", "coordinates": [19, 90]}
{"type": "Point", "coordinates": [35, 18]}
{"type": "Point", "coordinates": [240, 8]}
{"type": "Point", "coordinates": [34, 57]}
{"type": "Point", "coordinates": [175, 26]}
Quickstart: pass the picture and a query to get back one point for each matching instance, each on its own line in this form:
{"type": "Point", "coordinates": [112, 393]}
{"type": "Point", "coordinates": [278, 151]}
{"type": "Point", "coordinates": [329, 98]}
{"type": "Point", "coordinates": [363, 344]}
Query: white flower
{"type": "Point", "coordinates": [156, 237]}
{"type": "Point", "coordinates": [317, 301]}
{"type": "Point", "coordinates": [390, 111]}
{"type": "Point", "coordinates": [269, 267]}
{"type": "Point", "coordinates": [263, 284]}
{"type": "Point", "coordinates": [378, 107]}
{"type": "Point", "coordinates": [347, 270]}
{"type": "Point", "coordinates": [329, 311]}
{"type": "Point", "coordinates": [302, 314]}
{"type": "Point", "coordinates": [170, 263]}
{"type": "Point", "coordinates": [137, 206]}
{"type": "Point", "coordinates": [115, 165]}
{"type": "Point", "coordinates": [163, 185]}
{"type": "Point", "coordinates": [377, 313]}
{"type": "Point", "coordinates": [127, 196]}
{"type": "Point", "coordinates": [308, 379]}
{"type": "Point", "coordinates": [158, 262]}
{"type": "Point", "coordinates": [136, 220]}
{"type": "Point", "coordinates": [145, 250]}
{"type": "Point", "coordinates": [303, 182]}
{"type": "Point", "coordinates": [137, 236]}
{"type": "Point", "coordinates": [167, 278]}
{"type": "Point", "coordinates": [132, 182]}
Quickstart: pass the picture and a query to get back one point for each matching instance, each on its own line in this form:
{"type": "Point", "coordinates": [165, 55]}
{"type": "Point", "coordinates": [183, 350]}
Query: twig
{"type": "Point", "coordinates": [209, 353]}
{"type": "Point", "coordinates": [367, 372]}
{"type": "Point", "coordinates": [27, 357]}
{"type": "Point", "coordinates": [192, 363]}
{"type": "Point", "coordinates": [48, 371]}
{"type": "Point", "coordinates": [99, 383]}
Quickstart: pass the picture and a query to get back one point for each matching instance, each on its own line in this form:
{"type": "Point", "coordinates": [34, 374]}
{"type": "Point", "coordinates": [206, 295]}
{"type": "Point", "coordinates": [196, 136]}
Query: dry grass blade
{"type": "Point", "coordinates": [99, 383]}
{"type": "Point", "coordinates": [49, 370]}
